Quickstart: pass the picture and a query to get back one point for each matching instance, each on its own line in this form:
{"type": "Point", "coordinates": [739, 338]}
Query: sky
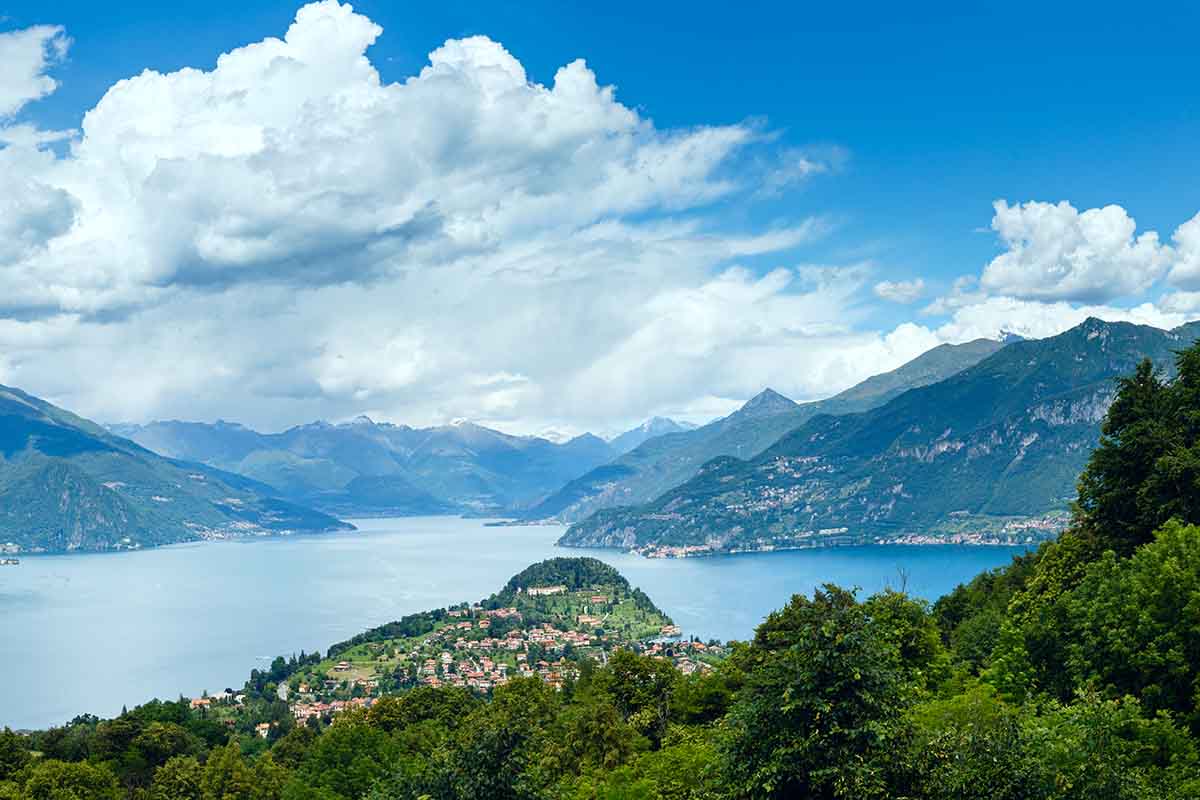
{"type": "Point", "coordinates": [547, 217]}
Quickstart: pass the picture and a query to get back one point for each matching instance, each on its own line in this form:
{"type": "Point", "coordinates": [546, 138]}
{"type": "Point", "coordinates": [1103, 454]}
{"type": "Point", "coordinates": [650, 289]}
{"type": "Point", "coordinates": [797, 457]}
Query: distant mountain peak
{"type": "Point", "coordinates": [768, 401]}
{"type": "Point", "coordinates": [655, 426]}
{"type": "Point", "coordinates": [1008, 337]}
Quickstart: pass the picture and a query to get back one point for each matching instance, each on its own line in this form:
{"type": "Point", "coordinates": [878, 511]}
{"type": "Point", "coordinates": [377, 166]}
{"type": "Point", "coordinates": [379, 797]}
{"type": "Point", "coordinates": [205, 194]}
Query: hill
{"type": "Point", "coordinates": [986, 454]}
{"type": "Point", "coordinates": [68, 484]}
{"type": "Point", "coordinates": [365, 467]}
{"type": "Point", "coordinates": [545, 622]}
{"type": "Point", "coordinates": [664, 462]}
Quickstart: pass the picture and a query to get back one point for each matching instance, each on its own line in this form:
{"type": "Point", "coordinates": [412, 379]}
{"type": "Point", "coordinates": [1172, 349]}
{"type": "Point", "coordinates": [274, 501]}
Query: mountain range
{"type": "Point", "coordinates": [372, 468]}
{"type": "Point", "coordinates": [68, 484]}
{"type": "Point", "coordinates": [664, 462]}
{"type": "Point", "coordinates": [988, 453]}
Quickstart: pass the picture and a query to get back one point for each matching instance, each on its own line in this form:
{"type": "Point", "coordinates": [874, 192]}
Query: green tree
{"type": "Point", "coordinates": [966, 747]}
{"type": "Point", "coordinates": [160, 741]}
{"type": "Point", "coordinates": [906, 624]}
{"type": "Point", "coordinates": [59, 780]}
{"type": "Point", "coordinates": [1097, 748]}
{"type": "Point", "coordinates": [495, 752]}
{"type": "Point", "coordinates": [178, 779]}
{"type": "Point", "coordinates": [448, 705]}
{"type": "Point", "coordinates": [1135, 434]}
{"type": "Point", "coordinates": [1133, 626]}
{"type": "Point", "coordinates": [641, 689]}
{"type": "Point", "coordinates": [292, 748]}
{"type": "Point", "coordinates": [821, 689]}
{"type": "Point", "coordinates": [14, 754]}
{"type": "Point", "coordinates": [349, 756]}
{"type": "Point", "coordinates": [227, 777]}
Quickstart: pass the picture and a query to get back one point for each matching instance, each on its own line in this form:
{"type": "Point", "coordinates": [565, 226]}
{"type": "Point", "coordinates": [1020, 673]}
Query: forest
{"type": "Point", "coordinates": [1073, 672]}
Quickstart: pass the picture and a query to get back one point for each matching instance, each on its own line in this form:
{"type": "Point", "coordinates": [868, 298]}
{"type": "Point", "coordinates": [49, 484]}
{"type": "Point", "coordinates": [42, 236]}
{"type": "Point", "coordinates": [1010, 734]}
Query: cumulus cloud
{"type": "Point", "coordinates": [1186, 270]}
{"type": "Point", "coordinates": [1054, 252]}
{"type": "Point", "coordinates": [25, 57]}
{"type": "Point", "coordinates": [287, 236]}
{"type": "Point", "coordinates": [293, 162]}
{"type": "Point", "coordinates": [900, 291]}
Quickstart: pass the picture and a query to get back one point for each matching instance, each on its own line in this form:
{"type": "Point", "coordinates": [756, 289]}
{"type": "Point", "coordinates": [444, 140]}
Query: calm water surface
{"type": "Point", "coordinates": [90, 633]}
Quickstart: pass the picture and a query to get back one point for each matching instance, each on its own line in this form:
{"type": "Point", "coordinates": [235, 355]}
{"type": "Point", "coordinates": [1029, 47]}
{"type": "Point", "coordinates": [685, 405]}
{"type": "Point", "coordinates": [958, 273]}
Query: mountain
{"type": "Point", "coordinates": [365, 467]}
{"type": "Point", "coordinates": [68, 484]}
{"type": "Point", "coordinates": [986, 453]}
{"type": "Point", "coordinates": [664, 462]}
{"type": "Point", "coordinates": [656, 426]}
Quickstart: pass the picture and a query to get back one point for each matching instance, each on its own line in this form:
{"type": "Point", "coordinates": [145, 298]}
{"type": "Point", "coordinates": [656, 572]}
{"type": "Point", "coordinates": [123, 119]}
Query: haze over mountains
{"type": "Point", "coordinates": [68, 484]}
{"type": "Point", "coordinates": [365, 467]}
{"type": "Point", "coordinates": [982, 452]}
{"type": "Point", "coordinates": [980, 440]}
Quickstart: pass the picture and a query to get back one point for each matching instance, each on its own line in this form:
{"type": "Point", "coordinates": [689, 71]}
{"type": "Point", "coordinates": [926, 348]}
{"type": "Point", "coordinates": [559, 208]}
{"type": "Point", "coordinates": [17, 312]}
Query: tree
{"type": "Point", "coordinates": [448, 705]}
{"type": "Point", "coordinates": [1146, 469]}
{"type": "Point", "coordinates": [906, 625]}
{"type": "Point", "coordinates": [641, 688]}
{"type": "Point", "coordinates": [293, 747]}
{"type": "Point", "coordinates": [821, 688]}
{"type": "Point", "coordinates": [966, 747]}
{"type": "Point", "coordinates": [1133, 626]}
{"type": "Point", "coordinates": [226, 776]}
{"type": "Point", "coordinates": [58, 780]}
{"type": "Point", "coordinates": [495, 751]}
{"type": "Point", "coordinates": [1097, 748]}
{"type": "Point", "coordinates": [178, 779]}
{"type": "Point", "coordinates": [14, 755]}
{"type": "Point", "coordinates": [160, 741]}
{"type": "Point", "coordinates": [349, 756]}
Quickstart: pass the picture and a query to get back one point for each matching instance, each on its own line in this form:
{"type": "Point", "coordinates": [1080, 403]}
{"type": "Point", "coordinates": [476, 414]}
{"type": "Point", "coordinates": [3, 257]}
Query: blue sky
{"type": "Point", "coordinates": [942, 108]}
{"type": "Point", "coordinates": [920, 118]}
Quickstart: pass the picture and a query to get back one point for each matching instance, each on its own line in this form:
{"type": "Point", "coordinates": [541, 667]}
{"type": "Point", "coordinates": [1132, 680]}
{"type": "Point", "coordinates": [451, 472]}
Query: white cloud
{"type": "Point", "coordinates": [1062, 266]}
{"type": "Point", "coordinates": [1055, 252]}
{"type": "Point", "coordinates": [1180, 302]}
{"type": "Point", "coordinates": [25, 55]}
{"type": "Point", "coordinates": [1033, 319]}
{"type": "Point", "coordinates": [900, 291]}
{"type": "Point", "coordinates": [292, 162]}
{"type": "Point", "coordinates": [1186, 271]}
{"type": "Point", "coordinates": [286, 236]}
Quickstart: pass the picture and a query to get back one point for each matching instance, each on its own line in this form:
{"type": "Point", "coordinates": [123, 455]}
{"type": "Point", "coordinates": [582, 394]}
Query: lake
{"type": "Point", "coordinates": [91, 633]}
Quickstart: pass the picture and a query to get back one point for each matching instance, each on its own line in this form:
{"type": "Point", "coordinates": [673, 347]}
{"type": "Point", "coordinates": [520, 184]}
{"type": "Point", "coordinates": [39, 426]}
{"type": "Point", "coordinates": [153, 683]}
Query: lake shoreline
{"type": "Point", "coordinates": [182, 618]}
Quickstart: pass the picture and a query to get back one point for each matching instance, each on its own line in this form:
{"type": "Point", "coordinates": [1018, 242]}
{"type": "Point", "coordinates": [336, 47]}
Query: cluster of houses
{"type": "Point", "coordinates": [207, 701]}
{"type": "Point", "coordinates": [480, 649]}
{"type": "Point", "coordinates": [674, 551]}
{"type": "Point", "coordinates": [687, 656]}
{"type": "Point", "coordinates": [309, 707]}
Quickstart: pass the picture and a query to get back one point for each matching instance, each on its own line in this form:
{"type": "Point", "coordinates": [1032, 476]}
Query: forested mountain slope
{"type": "Point", "coordinates": [664, 462]}
{"type": "Point", "coordinates": [978, 455]}
{"type": "Point", "coordinates": [68, 484]}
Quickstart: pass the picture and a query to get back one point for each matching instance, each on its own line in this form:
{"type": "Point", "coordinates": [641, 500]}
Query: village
{"type": "Point", "coordinates": [547, 633]}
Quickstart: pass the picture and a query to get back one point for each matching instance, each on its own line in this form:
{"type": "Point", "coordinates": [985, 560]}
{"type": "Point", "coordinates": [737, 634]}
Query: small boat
{"type": "Point", "coordinates": [9, 562]}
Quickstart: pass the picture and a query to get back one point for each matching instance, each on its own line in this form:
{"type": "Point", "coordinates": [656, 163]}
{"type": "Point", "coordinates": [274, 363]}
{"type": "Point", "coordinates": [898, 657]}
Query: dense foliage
{"type": "Point", "coordinates": [1070, 674]}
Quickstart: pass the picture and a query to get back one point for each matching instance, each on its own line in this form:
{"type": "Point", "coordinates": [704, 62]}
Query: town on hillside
{"type": "Point", "coordinates": [546, 631]}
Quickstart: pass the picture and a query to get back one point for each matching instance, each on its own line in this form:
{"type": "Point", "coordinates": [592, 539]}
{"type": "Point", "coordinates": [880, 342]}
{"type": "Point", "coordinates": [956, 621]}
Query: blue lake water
{"type": "Point", "coordinates": [91, 633]}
